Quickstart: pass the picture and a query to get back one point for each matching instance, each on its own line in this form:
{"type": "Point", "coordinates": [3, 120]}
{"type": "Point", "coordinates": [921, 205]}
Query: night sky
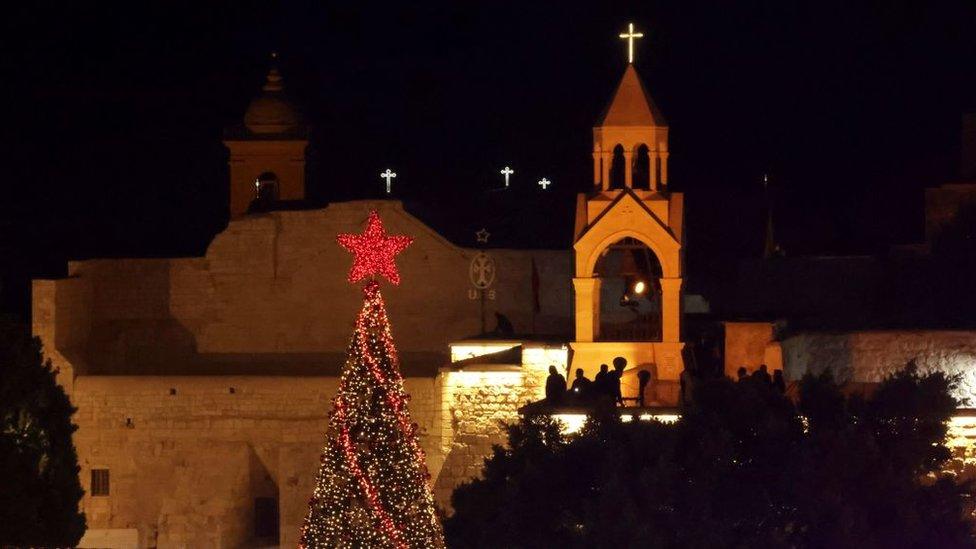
{"type": "Point", "coordinates": [113, 115]}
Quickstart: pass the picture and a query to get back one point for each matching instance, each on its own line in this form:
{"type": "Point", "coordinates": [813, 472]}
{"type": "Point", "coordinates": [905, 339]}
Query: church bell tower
{"type": "Point", "coordinates": [628, 247]}
{"type": "Point", "coordinates": [267, 152]}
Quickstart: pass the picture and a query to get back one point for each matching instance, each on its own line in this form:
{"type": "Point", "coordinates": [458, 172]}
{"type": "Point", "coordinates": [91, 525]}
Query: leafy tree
{"type": "Point", "coordinates": [39, 486]}
{"type": "Point", "coordinates": [744, 467]}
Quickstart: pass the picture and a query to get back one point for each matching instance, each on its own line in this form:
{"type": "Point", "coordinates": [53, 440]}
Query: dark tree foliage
{"type": "Point", "coordinates": [744, 467]}
{"type": "Point", "coordinates": [39, 486]}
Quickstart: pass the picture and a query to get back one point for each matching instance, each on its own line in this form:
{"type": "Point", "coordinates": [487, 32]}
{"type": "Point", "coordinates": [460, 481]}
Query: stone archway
{"type": "Point", "coordinates": [629, 297]}
{"type": "Point", "coordinates": [643, 221]}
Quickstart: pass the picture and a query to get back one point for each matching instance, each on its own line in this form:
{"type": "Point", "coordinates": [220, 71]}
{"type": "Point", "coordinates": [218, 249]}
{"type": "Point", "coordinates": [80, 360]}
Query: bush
{"type": "Point", "coordinates": [39, 486]}
{"type": "Point", "coordinates": [744, 467]}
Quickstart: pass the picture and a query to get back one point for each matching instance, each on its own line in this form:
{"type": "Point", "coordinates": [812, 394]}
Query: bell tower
{"type": "Point", "coordinates": [267, 152]}
{"type": "Point", "coordinates": [628, 246]}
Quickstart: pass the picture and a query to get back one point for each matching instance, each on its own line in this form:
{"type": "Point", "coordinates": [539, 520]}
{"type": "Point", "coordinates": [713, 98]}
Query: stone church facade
{"type": "Point", "coordinates": [203, 384]}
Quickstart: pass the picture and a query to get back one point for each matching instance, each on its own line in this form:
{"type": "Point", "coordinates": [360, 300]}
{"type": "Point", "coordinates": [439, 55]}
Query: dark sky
{"type": "Point", "coordinates": [112, 116]}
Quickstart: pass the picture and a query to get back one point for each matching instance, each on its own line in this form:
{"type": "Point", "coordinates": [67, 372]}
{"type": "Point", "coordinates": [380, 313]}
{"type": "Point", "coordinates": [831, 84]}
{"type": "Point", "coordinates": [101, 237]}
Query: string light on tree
{"type": "Point", "coordinates": [388, 175]}
{"type": "Point", "coordinates": [506, 171]}
{"type": "Point", "coordinates": [630, 36]}
{"type": "Point", "coordinates": [372, 488]}
{"type": "Point", "coordinates": [544, 183]}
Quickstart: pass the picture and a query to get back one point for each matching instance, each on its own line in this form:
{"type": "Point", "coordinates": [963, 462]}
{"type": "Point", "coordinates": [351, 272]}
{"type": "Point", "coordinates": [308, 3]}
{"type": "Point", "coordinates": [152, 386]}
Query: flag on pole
{"type": "Point", "coordinates": [536, 306]}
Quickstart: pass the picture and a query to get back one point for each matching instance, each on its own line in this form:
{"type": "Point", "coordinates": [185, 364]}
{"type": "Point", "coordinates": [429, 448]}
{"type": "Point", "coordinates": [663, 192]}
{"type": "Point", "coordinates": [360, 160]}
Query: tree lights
{"type": "Point", "coordinates": [372, 487]}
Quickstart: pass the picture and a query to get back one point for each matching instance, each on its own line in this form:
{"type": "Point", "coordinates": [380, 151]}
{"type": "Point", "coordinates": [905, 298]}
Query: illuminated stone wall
{"type": "Point", "coordinates": [476, 402]}
{"type": "Point", "coordinates": [188, 455]}
{"type": "Point", "coordinates": [185, 467]}
{"type": "Point", "coordinates": [746, 344]}
{"type": "Point", "coordinates": [272, 287]}
{"type": "Point", "coordinates": [268, 313]}
{"type": "Point", "coordinates": [867, 357]}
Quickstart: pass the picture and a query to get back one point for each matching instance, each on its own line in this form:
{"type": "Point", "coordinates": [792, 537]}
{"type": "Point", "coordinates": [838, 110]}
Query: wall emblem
{"type": "Point", "coordinates": [482, 271]}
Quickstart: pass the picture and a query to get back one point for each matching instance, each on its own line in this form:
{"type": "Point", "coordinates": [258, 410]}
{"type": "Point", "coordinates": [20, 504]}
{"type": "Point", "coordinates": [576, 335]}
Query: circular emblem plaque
{"type": "Point", "coordinates": [482, 270]}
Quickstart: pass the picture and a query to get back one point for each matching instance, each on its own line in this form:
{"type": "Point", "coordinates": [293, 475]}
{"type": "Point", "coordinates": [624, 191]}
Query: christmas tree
{"type": "Point", "coordinates": [372, 487]}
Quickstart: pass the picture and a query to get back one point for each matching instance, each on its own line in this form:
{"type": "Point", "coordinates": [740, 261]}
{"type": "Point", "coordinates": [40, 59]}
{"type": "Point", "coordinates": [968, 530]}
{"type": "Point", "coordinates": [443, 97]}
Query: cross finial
{"type": "Point", "coordinates": [388, 175]}
{"type": "Point", "coordinates": [544, 183]}
{"type": "Point", "coordinates": [507, 172]}
{"type": "Point", "coordinates": [629, 36]}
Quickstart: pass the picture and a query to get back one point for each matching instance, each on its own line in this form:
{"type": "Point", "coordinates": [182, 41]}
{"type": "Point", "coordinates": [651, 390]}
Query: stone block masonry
{"type": "Point", "coordinates": [204, 383]}
{"type": "Point", "coordinates": [189, 455]}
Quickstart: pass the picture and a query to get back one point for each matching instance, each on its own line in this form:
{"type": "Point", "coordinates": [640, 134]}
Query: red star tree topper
{"type": "Point", "coordinates": [374, 251]}
{"type": "Point", "coordinates": [372, 488]}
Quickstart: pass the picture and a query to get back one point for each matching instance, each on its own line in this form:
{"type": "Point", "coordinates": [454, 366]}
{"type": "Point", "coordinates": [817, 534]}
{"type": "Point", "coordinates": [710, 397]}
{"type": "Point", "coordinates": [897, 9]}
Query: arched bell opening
{"type": "Point", "coordinates": [642, 168]}
{"type": "Point", "coordinates": [630, 292]}
{"type": "Point", "coordinates": [618, 168]}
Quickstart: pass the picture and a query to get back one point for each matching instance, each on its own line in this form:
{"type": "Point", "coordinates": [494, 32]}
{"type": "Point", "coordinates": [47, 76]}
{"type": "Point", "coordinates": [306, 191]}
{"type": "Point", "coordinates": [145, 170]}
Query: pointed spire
{"type": "Point", "coordinates": [631, 104]}
{"type": "Point", "coordinates": [770, 247]}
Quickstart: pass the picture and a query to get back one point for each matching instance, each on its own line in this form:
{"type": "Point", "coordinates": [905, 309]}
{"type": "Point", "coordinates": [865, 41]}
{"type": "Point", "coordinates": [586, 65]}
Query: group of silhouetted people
{"type": "Point", "coordinates": [605, 386]}
{"type": "Point", "coordinates": [762, 378]}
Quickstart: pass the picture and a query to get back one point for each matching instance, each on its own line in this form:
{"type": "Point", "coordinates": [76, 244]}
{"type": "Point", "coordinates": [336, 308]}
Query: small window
{"type": "Point", "coordinates": [99, 482]}
{"type": "Point", "coordinates": [266, 187]}
{"type": "Point", "coordinates": [617, 169]}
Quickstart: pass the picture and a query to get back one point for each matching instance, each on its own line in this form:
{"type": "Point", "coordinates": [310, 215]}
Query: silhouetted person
{"type": "Point", "coordinates": [601, 382]}
{"type": "Point", "coordinates": [619, 364]}
{"type": "Point", "coordinates": [643, 377]}
{"type": "Point", "coordinates": [555, 387]}
{"type": "Point", "coordinates": [582, 387]}
{"type": "Point", "coordinates": [742, 374]}
{"type": "Point", "coordinates": [503, 326]}
{"type": "Point", "coordinates": [778, 382]}
{"type": "Point", "coordinates": [761, 376]}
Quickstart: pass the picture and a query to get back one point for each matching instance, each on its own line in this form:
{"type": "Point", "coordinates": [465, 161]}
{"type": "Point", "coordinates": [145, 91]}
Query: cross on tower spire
{"type": "Point", "coordinates": [629, 36]}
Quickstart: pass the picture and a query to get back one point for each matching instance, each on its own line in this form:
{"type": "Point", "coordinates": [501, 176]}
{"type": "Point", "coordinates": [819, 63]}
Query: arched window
{"type": "Point", "coordinates": [266, 187]}
{"type": "Point", "coordinates": [630, 293]}
{"type": "Point", "coordinates": [642, 168]}
{"type": "Point", "coordinates": [617, 168]}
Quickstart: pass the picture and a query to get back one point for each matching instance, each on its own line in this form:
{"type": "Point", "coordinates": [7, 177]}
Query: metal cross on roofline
{"type": "Point", "coordinates": [388, 175]}
{"type": "Point", "coordinates": [507, 172]}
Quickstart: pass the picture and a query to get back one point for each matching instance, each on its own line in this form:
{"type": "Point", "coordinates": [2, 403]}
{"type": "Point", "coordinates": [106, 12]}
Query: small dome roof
{"type": "Point", "coordinates": [271, 112]}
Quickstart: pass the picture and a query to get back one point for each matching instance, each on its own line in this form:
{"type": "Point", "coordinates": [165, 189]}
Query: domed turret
{"type": "Point", "coordinates": [271, 112]}
{"type": "Point", "coordinates": [267, 151]}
